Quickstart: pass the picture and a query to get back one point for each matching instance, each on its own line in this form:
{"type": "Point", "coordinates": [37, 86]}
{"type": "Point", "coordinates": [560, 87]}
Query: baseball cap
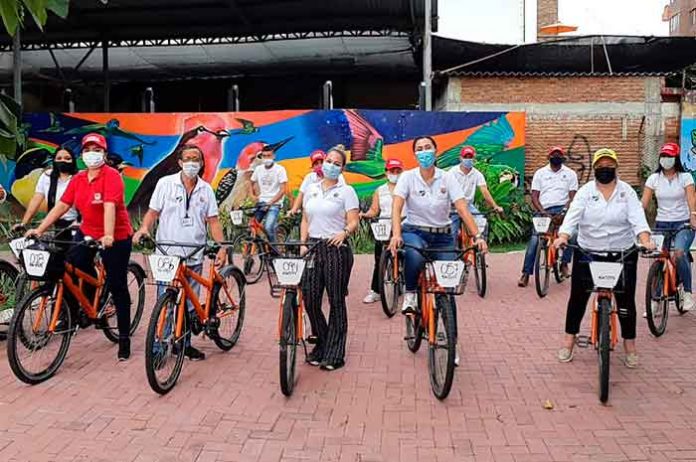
{"type": "Point", "coordinates": [95, 138]}
{"type": "Point", "coordinates": [670, 150]}
{"type": "Point", "coordinates": [394, 163]}
{"type": "Point", "coordinates": [604, 152]}
{"type": "Point", "coordinates": [317, 155]}
{"type": "Point", "coordinates": [556, 149]}
{"type": "Point", "coordinates": [467, 152]}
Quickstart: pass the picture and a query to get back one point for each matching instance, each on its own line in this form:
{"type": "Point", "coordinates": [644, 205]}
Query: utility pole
{"type": "Point", "coordinates": [428, 56]}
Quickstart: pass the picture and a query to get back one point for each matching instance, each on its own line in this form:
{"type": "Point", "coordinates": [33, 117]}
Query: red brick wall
{"type": "Point", "coordinates": [547, 12]}
{"type": "Point", "coordinates": [552, 90]}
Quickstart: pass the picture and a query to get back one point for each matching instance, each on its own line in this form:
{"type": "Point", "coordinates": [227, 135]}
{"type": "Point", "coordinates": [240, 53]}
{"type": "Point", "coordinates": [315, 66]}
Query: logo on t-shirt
{"type": "Point", "coordinates": [97, 198]}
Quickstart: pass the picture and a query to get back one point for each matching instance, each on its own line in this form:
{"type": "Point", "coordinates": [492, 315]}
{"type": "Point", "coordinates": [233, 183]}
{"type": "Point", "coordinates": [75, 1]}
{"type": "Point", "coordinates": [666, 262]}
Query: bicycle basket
{"type": "Point", "coordinates": [541, 224]}
{"type": "Point", "coordinates": [605, 274]}
{"type": "Point", "coordinates": [237, 217]}
{"type": "Point", "coordinates": [381, 230]}
{"type": "Point", "coordinates": [17, 245]}
{"type": "Point", "coordinates": [450, 276]}
{"type": "Point", "coordinates": [42, 262]}
{"type": "Point", "coordinates": [163, 267]}
{"type": "Point", "coordinates": [289, 271]}
{"type": "Point", "coordinates": [481, 223]}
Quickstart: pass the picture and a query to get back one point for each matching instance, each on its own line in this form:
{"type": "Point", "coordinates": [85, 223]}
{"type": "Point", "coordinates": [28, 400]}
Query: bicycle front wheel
{"type": "Point", "coordinates": [136, 292]}
{"type": "Point", "coordinates": [604, 348]}
{"type": "Point", "coordinates": [656, 304]}
{"type": "Point", "coordinates": [33, 351]}
{"type": "Point", "coordinates": [9, 295]}
{"type": "Point", "coordinates": [389, 289]}
{"type": "Point", "coordinates": [288, 344]}
{"type": "Point", "coordinates": [480, 273]}
{"type": "Point", "coordinates": [230, 304]}
{"type": "Point", "coordinates": [164, 351]}
{"type": "Point", "coordinates": [246, 254]}
{"type": "Point", "coordinates": [442, 352]}
{"type": "Point", "coordinates": [542, 272]}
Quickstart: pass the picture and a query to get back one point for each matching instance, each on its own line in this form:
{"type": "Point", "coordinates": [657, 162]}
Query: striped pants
{"type": "Point", "coordinates": [330, 272]}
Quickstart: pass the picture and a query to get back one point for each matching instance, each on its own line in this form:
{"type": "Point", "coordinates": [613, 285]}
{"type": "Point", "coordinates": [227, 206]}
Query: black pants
{"type": "Point", "coordinates": [379, 247]}
{"type": "Point", "coordinates": [115, 261]}
{"type": "Point", "coordinates": [330, 272]}
{"type": "Point", "coordinates": [581, 284]}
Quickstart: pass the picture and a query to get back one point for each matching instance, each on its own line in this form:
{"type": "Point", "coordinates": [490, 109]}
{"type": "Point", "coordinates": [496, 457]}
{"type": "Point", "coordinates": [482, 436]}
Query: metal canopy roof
{"type": "Point", "coordinates": [586, 55]}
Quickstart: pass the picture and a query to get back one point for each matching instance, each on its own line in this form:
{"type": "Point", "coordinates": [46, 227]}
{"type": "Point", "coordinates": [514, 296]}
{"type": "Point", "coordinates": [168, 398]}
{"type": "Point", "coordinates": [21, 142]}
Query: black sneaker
{"type": "Point", "coordinates": [123, 349]}
{"type": "Point", "coordinates": [193, 354]}
{"type": "Point", "coordinates": [314, 357]}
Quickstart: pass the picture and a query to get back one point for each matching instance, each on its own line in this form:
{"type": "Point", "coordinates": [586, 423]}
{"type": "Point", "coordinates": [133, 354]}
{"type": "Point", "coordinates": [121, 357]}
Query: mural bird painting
{"type": "Point", "coordinates": [54, 125]}
{"type": "Point", "coordinates": [248, 128]}
{"type": "Point", "coordinates": [366, 151]}
{"type": "Point", "coordinates": [111, 128]}
{"type": "Point", "coordinates": [489, 140]}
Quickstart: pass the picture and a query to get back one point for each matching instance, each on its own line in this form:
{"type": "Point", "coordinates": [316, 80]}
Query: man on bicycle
{"type": "Point", "coordinates": [269, 185]}
{"type": "Point", "coordinates": [185, 205]}
{"type": "Point", "coordinates": [553, 188]}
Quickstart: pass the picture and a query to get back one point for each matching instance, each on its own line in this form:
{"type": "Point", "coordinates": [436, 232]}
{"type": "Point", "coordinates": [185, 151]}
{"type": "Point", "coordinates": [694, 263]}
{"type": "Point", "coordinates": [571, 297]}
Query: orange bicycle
{"type": "Point", "coordinates": [547, 257]}
{"type": "Point", "coordinates": [220, 317]}
{"type": "Point", "coordinates": [474, 258]}
{"type": "Point", "coordinates": [41, 321]}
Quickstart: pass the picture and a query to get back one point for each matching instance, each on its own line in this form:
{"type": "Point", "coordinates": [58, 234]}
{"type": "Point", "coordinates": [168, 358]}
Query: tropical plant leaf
{"type": "Point", "coordinates": [37, 9]}
{"type": "Point", "coordinates": [58, 7]}
{"type": "Point", "coordinates": [9, 10]}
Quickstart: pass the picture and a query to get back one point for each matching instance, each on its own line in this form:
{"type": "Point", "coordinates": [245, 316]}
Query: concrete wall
{"type": "Point", "coordinates": [581, 114]}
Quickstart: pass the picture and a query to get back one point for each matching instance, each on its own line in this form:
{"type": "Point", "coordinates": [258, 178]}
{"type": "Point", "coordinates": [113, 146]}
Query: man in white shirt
{"type": "Point", "coordinates": [185, 206]}
{"type": "Point", "coordinates": [269, 185]}
{"type": "Point", "coordinates": [553, 188]}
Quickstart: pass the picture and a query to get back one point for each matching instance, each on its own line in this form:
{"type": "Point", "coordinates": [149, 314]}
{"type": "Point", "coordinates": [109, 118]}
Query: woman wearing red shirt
{"type": "Point", "coordinates": [98, 194]}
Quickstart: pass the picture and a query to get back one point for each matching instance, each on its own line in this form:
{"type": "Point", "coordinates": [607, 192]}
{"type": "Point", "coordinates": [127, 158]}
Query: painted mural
{"type": "Point", "coordinates": [231, 142]}
{"type": "Point", "coordinates": [688, 136]}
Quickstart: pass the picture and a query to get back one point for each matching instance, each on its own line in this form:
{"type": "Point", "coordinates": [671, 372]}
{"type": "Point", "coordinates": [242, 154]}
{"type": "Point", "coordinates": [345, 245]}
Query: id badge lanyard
{"type": "Point", "coordinates": [187, 221]}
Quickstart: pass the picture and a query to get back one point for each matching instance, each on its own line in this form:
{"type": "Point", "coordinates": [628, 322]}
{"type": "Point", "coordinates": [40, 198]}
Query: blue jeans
{"type": "Point", "coordinates": [198, 268]}
{"type": "Point", "coordinates": [413, 260]}
{"type": "Point", "coordinates": [457, 221]}
{"type": "Point", "coordinates": [269, 218]}
{"type": "Point", "coordinates": [682, 244]}
{"type": "Point", "coordinates": [530, 255]}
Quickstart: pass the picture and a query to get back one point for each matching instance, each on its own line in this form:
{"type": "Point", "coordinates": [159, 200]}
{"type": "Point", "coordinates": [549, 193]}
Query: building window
{"type": "Point", "coordinates": [674, 23]}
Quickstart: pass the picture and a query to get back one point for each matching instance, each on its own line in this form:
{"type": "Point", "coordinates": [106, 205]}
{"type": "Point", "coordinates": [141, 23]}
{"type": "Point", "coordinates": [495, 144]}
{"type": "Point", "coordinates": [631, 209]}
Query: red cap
{"type": "Point", "coordinates": [556, 149]}
{"type": "Point", "coordinates": [670, 150]}
{"type": "Point", "coordinates": [467, 152]}
{"type": "Point", "coordinates": [95, 138]}
{"type": "Point", "coordinates": [317, 155]}
{"type": "Point", "coordinates": [394, 163]}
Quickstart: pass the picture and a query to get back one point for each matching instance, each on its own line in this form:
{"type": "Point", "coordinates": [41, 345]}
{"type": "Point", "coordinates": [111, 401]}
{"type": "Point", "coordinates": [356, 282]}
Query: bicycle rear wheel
{"type": "Point", "coordinates": [414, 327]}
{"type": "Point", "coordinates": [34, 353]}
{"type": "Point", "coordinates": [229, 314]}
{"type": "Point", "coordinates": [542, 273]}
{"type": "Point", "coordinates": [136, 291]}
{"type": "Point", "coordinates": [9, 295]}
{"type": "Point", "coordinates": [441, 354]}
{"type": "Point", "coordinates": [557, 273]}
{"type": "Point", "coordinates": [604, 350]}
{"type": "Point", "coordinates": [288, 344]}
{"type": "Point", "coordinates": [164, 352]}
{"type": "Point", "coordinates": [389, 289]}
{"type": "Point", "coordinates": [656, 305]}
{"type": "Point", "coordinates": [246, 255]}
{"type": "Point", "coordinates": [480, 273]}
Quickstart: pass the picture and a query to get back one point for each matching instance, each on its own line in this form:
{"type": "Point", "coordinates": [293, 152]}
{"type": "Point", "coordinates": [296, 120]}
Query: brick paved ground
{"type": "Point", "coordinates": [379, 407]}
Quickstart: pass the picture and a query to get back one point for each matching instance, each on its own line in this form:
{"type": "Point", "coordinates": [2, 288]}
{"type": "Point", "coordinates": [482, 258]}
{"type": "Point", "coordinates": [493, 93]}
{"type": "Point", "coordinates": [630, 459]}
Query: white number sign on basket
{"type": "Point", "coordinates": [163, 267]}
{"type": "Point", "coordinates": [541, 224]}
{"type": "Point", "coordinates": [481, 222]}
{"type": "Point", "coordinates": [605, 274]}
{"type": "Point", "coordinates": [289, 270]}
{"type": "Point", "coordinates": [659, 240]}
{"type": "Point", "coordinates": [35, 262]}
{"type": "Point", "coordinates": [17, 245]}
{"type": "Point", "coordinates": [236, 216]}
{"type": "Point", "coordinates": [448, 272]}
{"type": "Point", "coordinates": [381, 230]}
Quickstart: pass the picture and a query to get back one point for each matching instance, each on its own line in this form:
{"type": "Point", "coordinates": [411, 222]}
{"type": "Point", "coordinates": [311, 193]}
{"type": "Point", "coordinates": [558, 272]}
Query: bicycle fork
{"type": "Point", "coordinates": [613, 321]}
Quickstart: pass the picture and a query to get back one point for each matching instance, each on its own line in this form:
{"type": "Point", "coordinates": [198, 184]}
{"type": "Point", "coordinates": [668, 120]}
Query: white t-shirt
{"type": "Point", "coordinates": [386, 199]}
{"type": "Point", "coordinates": [269, 180]}
{"type": "Point", "coordinates": [44, 184]}
{"type": "Point", "coordinates": [605, 225]}
{"type": "Point", "coordinates": [176, 224]}
{"type": "Point", "coordinates": [671, 195]}
{"type": "Point", "coordinates": [468, 181]}
{"type": "Point", "coordinates": [312, 178]}
{"type": "Point", "coordinates": [554, 187]}
{"type": "Point", "coordinates": [428, 205]}
{"type": "Point", "coordinates": [326, 210]}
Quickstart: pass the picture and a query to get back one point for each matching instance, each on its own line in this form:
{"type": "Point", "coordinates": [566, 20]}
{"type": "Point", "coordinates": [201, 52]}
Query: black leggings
{"type": "Point", "coordinates": [330, 272]}
{"type": "Point", "coordinates": [581, 284]}
{"type": "Point", "coordinates": [115, 261]}
{"type": "Point", "coordinates": [375, 273]}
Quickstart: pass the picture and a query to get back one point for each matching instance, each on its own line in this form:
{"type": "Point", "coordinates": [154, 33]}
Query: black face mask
{"type": "Point", "coordinates": [556, 161]}
{"type": "Point", "coordinates": [64, 167]}
{"type": "Point", "coordinates": [605, 175]}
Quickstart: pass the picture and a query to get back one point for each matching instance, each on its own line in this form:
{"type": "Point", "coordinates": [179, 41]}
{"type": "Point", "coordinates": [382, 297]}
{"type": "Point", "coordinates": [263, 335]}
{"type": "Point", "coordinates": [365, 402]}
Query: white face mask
{"type": "Point", "coordinates": [191, 169]}
{"type": "Point", "coordinates": [268, 162]}
{"type": "Point", "coordinates": [393, 177]}
{"type": "Point", "coordinates": [93, 159]}
{"type": "Point", "coordinates": [667, 162]}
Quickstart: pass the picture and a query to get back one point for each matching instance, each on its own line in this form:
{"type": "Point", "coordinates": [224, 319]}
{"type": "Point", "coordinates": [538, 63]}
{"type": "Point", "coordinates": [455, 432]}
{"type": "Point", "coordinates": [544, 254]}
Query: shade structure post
{"type": "Point", "coordinates": [428, 55]}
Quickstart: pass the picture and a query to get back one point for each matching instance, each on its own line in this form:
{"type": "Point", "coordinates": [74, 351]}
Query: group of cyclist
{"type": "Point", "coordinates": [427, 207]}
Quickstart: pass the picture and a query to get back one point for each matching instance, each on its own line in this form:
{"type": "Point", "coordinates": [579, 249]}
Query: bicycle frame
{"type": "Point", "coordinates": [299, 321]}
{"type": "Point", "coordinates": [613, 319]}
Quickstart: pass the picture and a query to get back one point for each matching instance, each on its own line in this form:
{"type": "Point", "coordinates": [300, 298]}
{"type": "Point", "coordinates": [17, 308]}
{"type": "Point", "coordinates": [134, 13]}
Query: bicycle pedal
{"type": "Point", "coordinates": [582, 341]}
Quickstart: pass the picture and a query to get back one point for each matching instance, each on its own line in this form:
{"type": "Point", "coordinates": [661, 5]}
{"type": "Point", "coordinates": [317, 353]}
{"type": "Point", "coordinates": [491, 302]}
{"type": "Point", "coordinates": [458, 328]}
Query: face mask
{"type": "Point", "coordinates": [191, 169]}
{"type": "Point", "coordinates": [667, 162]}
{"type": "Point", "coordinates": [318, 171]}
{"type": "Point", "coordinates": [93, 159]}
{"type": "Point", "coordinates": [556, 161]}
{"type": "Point", "coordinates": [268, 163]}
{"type": "Point", "coordinates": [393, 177]}
{"type": "Point", "coordinates": [331, 171]}
{"type": "Point", "coordinates": [63, 167]}
{"type": "Point", "coordinates": [426, 159]}
{"type": "Point", "coordinates": [468, 163]}
{"type": "Point", "coordinates": [605, 175]}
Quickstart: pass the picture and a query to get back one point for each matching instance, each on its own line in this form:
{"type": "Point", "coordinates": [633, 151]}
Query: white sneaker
{"type": "Point", "coordinates": [688, 303]}
{"type": "Point", "coordinates": [371, 297]}
{"type": "Point", "coordinates": [410, 303]}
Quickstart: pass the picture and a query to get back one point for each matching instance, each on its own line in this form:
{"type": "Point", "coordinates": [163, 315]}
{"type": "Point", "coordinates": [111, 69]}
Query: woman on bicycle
{"type": "Point", "coordinates": [50, 188]}
{"type": "Point", "coordinates": [676, 206]}
{"type": "Point", "coordinates": [606, 215]}
{"type": "Point", "coordinates": [97, 193]}
{"type": "Point", "coordinates": [331, 215]}
{"type": "Point", "coordinates": [382, 206]}
{"type": "Point", "coordinates": [316, 158]}
{"type": "Point", "coordinates": [427, 193]}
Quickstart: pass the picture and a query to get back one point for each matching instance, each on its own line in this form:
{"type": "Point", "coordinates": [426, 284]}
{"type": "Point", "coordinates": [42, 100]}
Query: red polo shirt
{"type": "Point", "coordinates": [88, 198]}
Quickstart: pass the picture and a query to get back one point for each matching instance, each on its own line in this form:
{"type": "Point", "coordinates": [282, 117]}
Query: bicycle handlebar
{"type": "Point", "coordinates": [625, 253]}
{"type": "Point", "coordinates": [451, 250]}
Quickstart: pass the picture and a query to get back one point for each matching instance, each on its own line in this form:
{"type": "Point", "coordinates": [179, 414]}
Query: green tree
{"type": "Point", "coordinates": [13, 12]}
